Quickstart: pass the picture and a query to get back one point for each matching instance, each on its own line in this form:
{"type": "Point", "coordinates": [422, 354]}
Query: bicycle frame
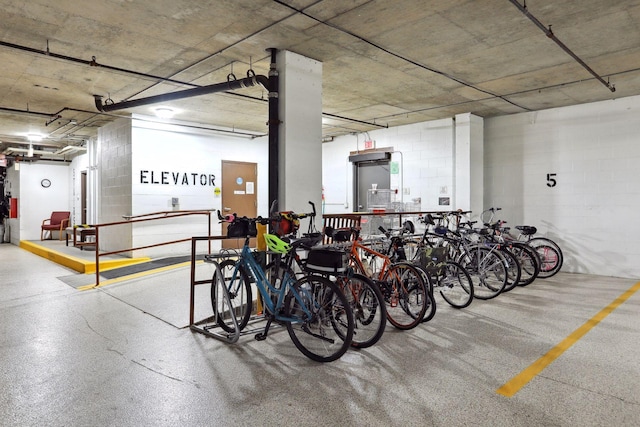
{"type": "Point", "coordinates": [248, 262]}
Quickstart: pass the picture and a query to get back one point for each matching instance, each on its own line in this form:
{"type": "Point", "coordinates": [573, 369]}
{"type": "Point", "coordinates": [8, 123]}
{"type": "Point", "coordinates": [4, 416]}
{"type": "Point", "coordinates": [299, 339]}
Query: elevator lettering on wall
{"type": "Point", "coordinates": [177, 178]}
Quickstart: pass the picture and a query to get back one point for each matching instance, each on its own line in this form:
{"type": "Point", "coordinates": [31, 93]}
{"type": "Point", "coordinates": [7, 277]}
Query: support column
{"type": "Point", "coordinates": [469, 163]}
{"type": "Point", "coordinates": [300, 146]}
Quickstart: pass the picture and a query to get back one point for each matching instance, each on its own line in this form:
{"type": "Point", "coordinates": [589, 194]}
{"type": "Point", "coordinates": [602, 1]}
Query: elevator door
{"type": "Point", "coordinates": [367, 174]}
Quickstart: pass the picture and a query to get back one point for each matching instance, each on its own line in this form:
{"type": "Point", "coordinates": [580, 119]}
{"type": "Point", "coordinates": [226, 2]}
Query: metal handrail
{"type": "Point", "coordinates": [144, 218]}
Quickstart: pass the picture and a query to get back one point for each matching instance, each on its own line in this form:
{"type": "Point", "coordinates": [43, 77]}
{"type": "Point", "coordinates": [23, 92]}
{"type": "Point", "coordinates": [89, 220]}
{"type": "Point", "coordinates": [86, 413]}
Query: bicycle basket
{"type": "Point", "coordinates": [327, 261]}
{"type": "Point", "coordinates": [242, 227]}
{"type": "Point", "coordinates": [433, 260]}
{"type": "Point", "coordinates": [287, 224]}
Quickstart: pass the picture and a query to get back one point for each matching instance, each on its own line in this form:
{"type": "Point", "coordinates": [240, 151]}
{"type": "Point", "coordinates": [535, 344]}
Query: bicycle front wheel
{"type": "Point", "coordinates": [367, 305]}
{"type": "Point", "coordinates": [514, 269]}
{"type": "Point", "coordinates": [406, 295]}
{"type": "Point", "coordinates": [487, 270]}
{"type": "Point", "coordinates": [323, 325]}
{"type": "Point", "coordinates": [455, 285]}
{"type": "Point", "coordinates": [239, 286]}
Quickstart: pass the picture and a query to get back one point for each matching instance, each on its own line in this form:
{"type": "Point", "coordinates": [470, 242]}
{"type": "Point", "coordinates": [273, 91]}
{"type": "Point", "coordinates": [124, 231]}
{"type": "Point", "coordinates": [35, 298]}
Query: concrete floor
{"type": "Point", "coordinates": [123, 355]}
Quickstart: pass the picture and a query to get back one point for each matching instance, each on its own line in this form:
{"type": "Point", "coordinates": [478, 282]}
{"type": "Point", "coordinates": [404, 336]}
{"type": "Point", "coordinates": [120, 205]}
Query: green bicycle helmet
{"type": "Point", "coordinates": [275, 244]}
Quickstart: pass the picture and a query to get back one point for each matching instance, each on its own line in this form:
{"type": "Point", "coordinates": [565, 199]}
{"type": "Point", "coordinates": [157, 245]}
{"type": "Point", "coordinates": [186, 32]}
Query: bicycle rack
{"type": "Point", "coordinates": [228, 337]}
{"type": "Point", "coordinates": [206, 327]}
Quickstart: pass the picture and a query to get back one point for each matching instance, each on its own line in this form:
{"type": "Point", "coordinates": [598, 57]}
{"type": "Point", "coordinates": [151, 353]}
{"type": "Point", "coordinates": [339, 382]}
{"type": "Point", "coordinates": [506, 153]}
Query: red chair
{"type": "Point", "coordinates": [59, 221]}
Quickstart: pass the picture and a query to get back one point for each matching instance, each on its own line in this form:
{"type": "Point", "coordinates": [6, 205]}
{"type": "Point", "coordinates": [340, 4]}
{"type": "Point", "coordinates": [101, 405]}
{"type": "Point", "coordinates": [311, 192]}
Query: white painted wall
{"type": "Point", "coordinates": [179, 150]}
{"type": "Point", "coordinates": [35, 203]}
{"type": "Point", "coordinates": [425, 153]}
{"type": "Point", "coordinates": [594, 150]}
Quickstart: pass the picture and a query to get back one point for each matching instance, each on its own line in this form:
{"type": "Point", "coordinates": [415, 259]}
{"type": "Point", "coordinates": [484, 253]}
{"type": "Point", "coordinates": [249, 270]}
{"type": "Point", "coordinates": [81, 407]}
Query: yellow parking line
{"type": "Point", "coordinates": [514, 385]}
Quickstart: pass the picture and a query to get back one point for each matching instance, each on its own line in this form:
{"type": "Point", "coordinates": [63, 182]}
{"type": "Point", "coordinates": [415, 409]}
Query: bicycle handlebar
{"type": "Point", "coordinates": [272, 216]}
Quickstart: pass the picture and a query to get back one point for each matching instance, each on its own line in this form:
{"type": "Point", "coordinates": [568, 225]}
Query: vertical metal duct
{"type": "Point", "coordinates": [274, 131]}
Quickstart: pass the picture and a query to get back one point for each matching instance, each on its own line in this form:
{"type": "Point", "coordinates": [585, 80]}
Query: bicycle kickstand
{"type": "Point", "coordinates": [261, 336]}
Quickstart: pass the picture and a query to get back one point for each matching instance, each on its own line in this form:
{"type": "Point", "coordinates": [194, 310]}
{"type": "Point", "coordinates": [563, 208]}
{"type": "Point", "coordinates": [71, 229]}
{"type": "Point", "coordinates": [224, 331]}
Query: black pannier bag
{"type": "Point", "coordinates": [433, 260]}
{"type": "Point", "coordinates": [327, 261]}
{"type": "Point", "coordinates": [242, 227]}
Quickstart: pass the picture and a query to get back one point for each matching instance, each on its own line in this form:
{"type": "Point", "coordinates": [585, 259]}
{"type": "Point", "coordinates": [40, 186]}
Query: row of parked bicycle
{"type": "Point", "coordinates": [334, 296]}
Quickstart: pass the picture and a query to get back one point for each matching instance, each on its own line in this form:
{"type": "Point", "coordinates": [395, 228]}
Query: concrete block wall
{"type": "Point", "coordinates": [424, 152]}
{"type": "Point", "coordinates": [592, 153]}
{"type": "Point", "coordinates": [114, 175]}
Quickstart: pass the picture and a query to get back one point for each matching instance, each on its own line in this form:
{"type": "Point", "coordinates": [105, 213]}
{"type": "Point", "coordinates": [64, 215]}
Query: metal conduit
{"type": "Point", "coordinates": [187, 93]}
{"type": "Point", "coordinates": [549, 33]}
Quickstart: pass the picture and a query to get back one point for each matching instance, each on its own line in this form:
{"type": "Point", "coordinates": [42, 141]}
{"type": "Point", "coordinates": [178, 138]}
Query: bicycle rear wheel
{"type": "Point", "coordinates": [323, 328]}
{"type": "Point", "coordinates": [367, 305]}
{"type": "Point", "coordinates": [529, 261]}
{"type": "Point", "coordinates": [455, 285]}
{"type": "Point", "coordinates": [550, 255]}
{"type": "Point", "coordinates": [239, 287]}
{"type": "Point", "coordinates": [406, 295]}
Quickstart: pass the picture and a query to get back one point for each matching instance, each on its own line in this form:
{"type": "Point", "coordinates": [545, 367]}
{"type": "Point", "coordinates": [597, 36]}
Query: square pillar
{"type": "Point", "coordinates": [300, 145]}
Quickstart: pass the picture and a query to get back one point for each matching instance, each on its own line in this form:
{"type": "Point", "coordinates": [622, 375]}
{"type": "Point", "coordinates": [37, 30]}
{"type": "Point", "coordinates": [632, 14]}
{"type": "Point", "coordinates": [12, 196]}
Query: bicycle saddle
{"type": "Point", "coordinates": [527, 230]}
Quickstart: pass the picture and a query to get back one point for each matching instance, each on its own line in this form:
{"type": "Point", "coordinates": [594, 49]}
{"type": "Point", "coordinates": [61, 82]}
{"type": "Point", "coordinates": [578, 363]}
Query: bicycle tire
{"type": "Point", "coordinates": [550, 254]}
{"type": "Point", "coordinates": [487, 271]}
{"type": "Point", "coordinates": [326, 335]}
{"type": "Point", "coordinates": [529, 261]}
{"type": "Point", "coordinates": [405, 294]}
{"type": "Point", "coordinates": [430, 312]}
{"type": "Point", "coordinates": [455, 285]}
{"type": "Point", "coordinates": [430, 302]}
{"type": "Point", "coordinates": [514, 270]}
{"type": "Point", "coordinates": [239, 293]}
{"type": "Point", "coordinates": [368, 307]}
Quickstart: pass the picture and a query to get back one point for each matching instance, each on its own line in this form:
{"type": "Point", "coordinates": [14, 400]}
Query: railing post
{"type": "Point", "coordinates": [97, 255]}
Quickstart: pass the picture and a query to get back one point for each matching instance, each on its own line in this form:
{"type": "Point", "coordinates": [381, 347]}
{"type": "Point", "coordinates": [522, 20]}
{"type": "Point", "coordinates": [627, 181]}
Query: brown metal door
{"type": "Point", "coordinates": [239, 195]}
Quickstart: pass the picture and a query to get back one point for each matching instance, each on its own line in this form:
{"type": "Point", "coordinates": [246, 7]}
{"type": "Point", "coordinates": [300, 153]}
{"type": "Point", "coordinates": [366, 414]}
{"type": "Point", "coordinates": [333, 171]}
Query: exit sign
{"type": "Point", "coordinates": [368, 145]}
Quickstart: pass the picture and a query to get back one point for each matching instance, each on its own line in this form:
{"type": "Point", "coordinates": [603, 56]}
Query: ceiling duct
{"type": "Point", "coordinates": [370, 157]}
{"type": "Point", "coordinates": [187, 93]}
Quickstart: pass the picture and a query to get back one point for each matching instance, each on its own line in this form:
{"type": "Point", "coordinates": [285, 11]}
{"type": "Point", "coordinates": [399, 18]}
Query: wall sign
{"type": "Point", "coordinates": [177, 178]}
{"type": "Point", "coordinates": [551, 180]}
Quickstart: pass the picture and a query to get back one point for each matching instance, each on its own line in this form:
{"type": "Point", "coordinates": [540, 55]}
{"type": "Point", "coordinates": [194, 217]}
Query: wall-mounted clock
{"type": "Point", "coordinates": [45, 183]}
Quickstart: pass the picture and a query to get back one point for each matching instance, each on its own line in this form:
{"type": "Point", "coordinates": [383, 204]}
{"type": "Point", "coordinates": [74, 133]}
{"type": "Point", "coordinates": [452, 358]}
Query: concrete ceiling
{"type": "Point", "coordinates": [385, 63]}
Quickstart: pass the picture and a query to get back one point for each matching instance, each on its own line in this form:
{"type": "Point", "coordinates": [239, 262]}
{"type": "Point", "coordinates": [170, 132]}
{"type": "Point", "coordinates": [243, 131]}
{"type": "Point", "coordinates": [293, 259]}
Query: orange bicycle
{"type": "Point", "coordinates": [405, 292]}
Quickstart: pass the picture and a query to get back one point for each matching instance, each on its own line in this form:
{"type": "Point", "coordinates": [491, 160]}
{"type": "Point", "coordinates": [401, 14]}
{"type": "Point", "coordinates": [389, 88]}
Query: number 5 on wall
{"type": "Point", "coordinates": [551, 180]}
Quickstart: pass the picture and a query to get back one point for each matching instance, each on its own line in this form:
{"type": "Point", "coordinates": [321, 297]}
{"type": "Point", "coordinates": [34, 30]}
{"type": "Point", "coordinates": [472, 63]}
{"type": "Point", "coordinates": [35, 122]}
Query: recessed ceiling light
{"type": "Point", "coordinates": [34, 137]}
{"type": "Point", "coordinates": [164, 112]}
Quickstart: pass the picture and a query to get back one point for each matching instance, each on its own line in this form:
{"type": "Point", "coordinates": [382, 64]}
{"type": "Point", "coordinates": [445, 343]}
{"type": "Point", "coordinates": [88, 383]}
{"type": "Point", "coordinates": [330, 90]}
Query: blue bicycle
{"type": "Point", "coordinates": [314, 310]}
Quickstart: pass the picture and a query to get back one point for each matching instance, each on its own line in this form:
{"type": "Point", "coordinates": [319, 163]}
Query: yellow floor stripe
{"type": "Point", "coordinates": [516, 383]}
{"type": "Point", "coordinates": [136, 275]}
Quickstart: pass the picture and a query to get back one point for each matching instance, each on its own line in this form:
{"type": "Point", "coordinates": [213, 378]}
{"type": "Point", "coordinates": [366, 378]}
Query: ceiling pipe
{"type": "Point", "coordinates": [187, 93]}
{"type": "Point", "coordinates": [549, 33]}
